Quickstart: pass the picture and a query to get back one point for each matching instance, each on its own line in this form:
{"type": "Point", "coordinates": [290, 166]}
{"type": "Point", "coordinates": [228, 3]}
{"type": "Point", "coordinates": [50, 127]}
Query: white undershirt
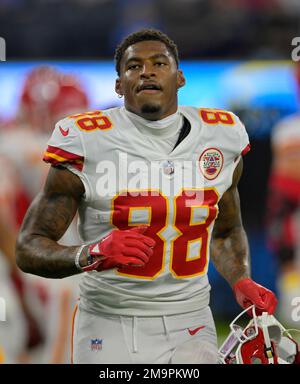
{"type": "Point", "coordinates": [161, 134]}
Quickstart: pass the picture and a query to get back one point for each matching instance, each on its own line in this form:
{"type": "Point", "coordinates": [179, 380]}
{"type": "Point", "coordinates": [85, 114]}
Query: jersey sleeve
{"type": "Point", "coordinates": [244, 143]}
{"type": "Point", "coordinates": [65, 147]}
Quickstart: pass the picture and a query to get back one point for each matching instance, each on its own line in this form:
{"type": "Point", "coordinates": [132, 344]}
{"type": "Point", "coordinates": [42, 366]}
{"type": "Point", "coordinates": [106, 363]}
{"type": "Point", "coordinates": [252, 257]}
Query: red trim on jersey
{"type": "Point", "coordinates": [55, 156]}
{"type": "Point", "coordinates": [65, 154]}
{"type": "Point", "coordinates": [246, 150]}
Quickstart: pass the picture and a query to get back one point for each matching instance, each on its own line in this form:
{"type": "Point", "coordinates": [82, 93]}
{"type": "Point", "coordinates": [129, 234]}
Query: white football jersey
{"type": "Point", "coordinates": [129, 183]}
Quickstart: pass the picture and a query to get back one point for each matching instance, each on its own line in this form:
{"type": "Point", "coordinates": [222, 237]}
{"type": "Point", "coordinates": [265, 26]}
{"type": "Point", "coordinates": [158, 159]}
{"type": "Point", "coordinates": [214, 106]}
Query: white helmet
{"type": "Point", "coordinates": [263, 341]}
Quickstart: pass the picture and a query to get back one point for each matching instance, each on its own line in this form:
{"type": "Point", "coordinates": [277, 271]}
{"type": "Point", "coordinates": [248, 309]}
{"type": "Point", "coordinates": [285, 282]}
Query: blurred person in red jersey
{"type": "Point", "coordinates": [283, 209]}
{"type": "Point", "coordinates": [12, 349]}
{"type": "Point", "coordinates": [47, 95]}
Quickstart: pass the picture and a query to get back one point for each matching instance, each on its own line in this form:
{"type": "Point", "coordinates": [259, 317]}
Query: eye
{"type": "Point", "coordinates": [160, 64]}
{"type": "Point", "coordinates": [133, 66]}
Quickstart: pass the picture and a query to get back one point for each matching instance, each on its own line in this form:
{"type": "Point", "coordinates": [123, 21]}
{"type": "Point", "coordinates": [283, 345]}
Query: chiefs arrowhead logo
{"type": "Point", "coordinates": [211, 163]}
{"type": "Point", "coordinates": [64, 132]}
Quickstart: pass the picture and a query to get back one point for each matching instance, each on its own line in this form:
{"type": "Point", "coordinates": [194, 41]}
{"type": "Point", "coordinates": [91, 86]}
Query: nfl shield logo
{"type": "Point", "coordinates": [96, 344]}
{"type": "Point", "coordinates": [168, 167]}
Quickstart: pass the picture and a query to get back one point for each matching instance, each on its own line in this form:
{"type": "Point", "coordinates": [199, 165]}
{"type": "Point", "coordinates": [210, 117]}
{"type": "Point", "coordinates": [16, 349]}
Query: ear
{"type": "Point", "coordinates": [180, 79]}
{"type": "Point", "coordinates": [118, 87]}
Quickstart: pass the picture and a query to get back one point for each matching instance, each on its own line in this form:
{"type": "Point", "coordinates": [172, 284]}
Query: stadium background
{"type": "Point", "coordinates": [236, 55]}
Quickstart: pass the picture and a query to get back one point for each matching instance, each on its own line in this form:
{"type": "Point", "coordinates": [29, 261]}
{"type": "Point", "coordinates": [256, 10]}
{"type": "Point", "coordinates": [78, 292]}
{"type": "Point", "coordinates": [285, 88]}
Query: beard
{"type": "Point", "coordinates": [150, 109]}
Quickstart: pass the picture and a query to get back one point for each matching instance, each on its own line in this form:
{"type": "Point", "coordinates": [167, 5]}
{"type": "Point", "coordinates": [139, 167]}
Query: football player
{"type": "Point", "coordinates": [153, 183]}
{"type": "Point", "coordinates": [46, 96]}
{"type": "Point", "coordinates": [283, 214]}
{"type": "Point", "coordinates": [13, 321]}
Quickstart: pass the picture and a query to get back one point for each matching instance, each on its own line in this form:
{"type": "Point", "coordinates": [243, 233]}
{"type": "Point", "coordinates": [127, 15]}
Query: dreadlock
{"type": "Point", "coordinates": [144, 35]}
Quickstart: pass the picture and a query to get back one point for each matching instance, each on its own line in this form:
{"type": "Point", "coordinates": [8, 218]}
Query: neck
{"type": "Point", "coordinates": [163, 128]}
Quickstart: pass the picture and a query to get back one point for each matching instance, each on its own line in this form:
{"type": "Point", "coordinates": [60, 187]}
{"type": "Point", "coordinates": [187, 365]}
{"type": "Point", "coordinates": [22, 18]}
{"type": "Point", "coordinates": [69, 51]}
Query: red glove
{"type": "Point", "coordinates": [247, 293]}
{"type": "Point", "coordinates": [120, 248]}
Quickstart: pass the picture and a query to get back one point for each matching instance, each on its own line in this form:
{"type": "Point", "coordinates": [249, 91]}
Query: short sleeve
{"type": "Point", "coordinates": [244, 146]}
{"type": "Point", "coordinates": [65, 147]}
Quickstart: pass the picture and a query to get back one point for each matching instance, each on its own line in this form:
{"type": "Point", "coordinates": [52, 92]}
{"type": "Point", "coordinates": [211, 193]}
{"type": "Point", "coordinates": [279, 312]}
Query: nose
{"type": "Point", "coordinates": [147, 70]}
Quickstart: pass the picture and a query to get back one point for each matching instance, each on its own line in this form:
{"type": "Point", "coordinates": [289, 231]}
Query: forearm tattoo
{"type": "Point", "coordinates": [45, 223]}
{"type": "Point", "coordinates": [230, 255]}
{"type": "Point", "coordinates": [229, 247]}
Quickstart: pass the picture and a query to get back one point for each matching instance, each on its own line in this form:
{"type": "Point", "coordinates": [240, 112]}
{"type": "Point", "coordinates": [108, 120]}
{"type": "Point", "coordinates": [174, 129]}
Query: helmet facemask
{"type": "Point", "coordinates": [263, 341]}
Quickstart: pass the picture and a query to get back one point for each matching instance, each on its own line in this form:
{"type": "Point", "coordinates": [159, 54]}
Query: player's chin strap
{"type": "Point", "coordinates": [268, 346]}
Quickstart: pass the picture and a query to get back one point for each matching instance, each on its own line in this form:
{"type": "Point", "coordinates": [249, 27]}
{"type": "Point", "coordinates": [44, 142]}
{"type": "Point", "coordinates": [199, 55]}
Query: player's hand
{"type": "Point", "coordinates": [248, 293]}
{"type": "Point", "coordinates": [120, 249]}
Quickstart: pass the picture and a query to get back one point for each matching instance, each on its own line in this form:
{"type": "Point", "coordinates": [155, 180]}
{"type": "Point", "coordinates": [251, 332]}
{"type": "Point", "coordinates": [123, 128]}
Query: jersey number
{"type": "Point", "coordinates": [212, 116]}
{"type": "Point", "coordinates": [91, 121]}
{"type": "Point", "coordinates": [187, 231]}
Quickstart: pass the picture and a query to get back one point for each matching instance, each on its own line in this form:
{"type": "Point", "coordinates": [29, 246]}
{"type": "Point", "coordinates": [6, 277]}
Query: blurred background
{"type": "Point", "coordinates": [235, 54]}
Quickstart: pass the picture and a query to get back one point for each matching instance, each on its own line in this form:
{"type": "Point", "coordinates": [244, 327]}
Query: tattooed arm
{"type": "Point", "coordinates": [230, 253]}
{"type": "Point", "coordinates": [46, 221]}
{"type": "Point", "coordinates": [229, 249]}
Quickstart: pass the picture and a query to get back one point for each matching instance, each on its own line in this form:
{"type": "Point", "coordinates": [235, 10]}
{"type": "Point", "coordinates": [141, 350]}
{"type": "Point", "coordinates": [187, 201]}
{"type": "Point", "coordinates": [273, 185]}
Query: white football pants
{"type": "Point", "coordinates": [188, 338]}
